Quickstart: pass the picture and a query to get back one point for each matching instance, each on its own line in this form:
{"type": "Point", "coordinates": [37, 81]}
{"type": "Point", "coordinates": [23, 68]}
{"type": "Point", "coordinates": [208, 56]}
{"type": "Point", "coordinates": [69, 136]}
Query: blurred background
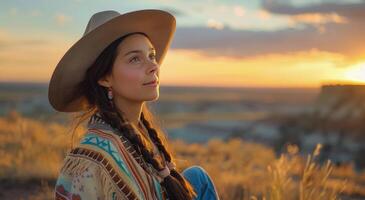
{"type": "Point", "coordinates": [267, 95]}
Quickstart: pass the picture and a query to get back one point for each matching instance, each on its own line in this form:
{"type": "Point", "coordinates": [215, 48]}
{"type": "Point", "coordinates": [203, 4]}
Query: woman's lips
{"type": "Point", "coordinates": [152, 83]}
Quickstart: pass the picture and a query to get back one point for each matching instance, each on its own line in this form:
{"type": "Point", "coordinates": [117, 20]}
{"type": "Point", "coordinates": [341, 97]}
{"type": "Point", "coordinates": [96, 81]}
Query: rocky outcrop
{"type": "Point", "coordinates": [336, 120]}
{"type": "Point", "coordinates": [341, 108]}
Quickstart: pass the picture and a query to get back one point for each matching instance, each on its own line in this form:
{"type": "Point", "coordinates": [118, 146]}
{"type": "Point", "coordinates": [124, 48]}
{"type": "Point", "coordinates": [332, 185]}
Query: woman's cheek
{"type": "Point", "coordinates": [133, 77]}
{"type": "Point", "coordinates": [125, 88]}
{"type": "Point", "coordinates": [129, 81]}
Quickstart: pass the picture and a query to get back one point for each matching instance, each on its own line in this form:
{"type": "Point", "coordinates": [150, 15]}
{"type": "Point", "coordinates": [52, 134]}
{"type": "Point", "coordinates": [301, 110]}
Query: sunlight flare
{"type": "Point", "coordinates": [356, 73]}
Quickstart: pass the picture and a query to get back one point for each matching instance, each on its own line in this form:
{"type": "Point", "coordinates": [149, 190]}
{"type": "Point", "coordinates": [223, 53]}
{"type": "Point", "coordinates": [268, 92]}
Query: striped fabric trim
{"type": "Point", "coordinates": [100, 159]}
{"type": "Point", "coordinates": [117, 159]}
{"type": "Point", "coordinates": [106, 146]}
{"type": "Point", "coordinates": [132, 168]}
{"type": "Point", "coordinates": [97, 125]}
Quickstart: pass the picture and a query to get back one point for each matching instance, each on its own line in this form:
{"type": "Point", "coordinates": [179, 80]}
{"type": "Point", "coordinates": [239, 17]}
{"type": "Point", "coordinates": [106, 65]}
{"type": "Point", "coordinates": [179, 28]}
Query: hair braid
{"type": "Point", "coordinates": [118, 122]}
{"type": "Point", "coordinates": [153, 135]}
{"type": "Point", "coordinates": [174, 181]}
{"type": "Point", "coordinates": [173, 172]}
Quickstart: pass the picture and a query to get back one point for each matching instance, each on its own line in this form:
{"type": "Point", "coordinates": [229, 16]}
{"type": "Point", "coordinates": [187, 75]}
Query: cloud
{"type": "Point", "coordinates": [263, 14]}
{"type": "Point", "coordinates": [212, 23]}
{"type": "Point", "coordinates": [274, 70]}
{"type": "Point", "coordinates": [317, 18]}
{"type": "Point", "coordinates": [244, 43]}
{"type": "Point", "coordinates": [353, 11]}
{"type": "Point", "coordinates": [174, 11]}
{"type": "Point", "coordinates": [62, 19]}
{"type": "Point", "coordinates": [8, 41]}
{"type": "Point", "coordinates": [325, 27]}
{"type": "Point", "coordinates": [239, 11]}
{"type": "Point", "coordinates": [22, 56]}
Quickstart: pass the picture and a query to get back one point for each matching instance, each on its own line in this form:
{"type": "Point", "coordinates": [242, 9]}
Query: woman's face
{"type": "Point", "coordinates": [134, 66]}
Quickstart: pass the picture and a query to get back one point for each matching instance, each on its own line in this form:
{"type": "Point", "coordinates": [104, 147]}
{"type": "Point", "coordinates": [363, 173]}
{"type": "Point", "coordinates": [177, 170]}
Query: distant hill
{"type": "Point", "coordinates": [341, 107]}
{"type": "Point", "coordinates": [336, 120]}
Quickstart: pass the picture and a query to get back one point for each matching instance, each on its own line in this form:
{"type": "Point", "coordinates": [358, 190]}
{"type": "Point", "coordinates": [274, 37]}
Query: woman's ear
{"type": "Point", "coordinates": [104, 82]}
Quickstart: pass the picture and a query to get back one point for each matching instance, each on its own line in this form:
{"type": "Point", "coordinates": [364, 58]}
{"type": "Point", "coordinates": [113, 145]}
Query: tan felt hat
{"type": "Point", "coordinates": [102, 29]}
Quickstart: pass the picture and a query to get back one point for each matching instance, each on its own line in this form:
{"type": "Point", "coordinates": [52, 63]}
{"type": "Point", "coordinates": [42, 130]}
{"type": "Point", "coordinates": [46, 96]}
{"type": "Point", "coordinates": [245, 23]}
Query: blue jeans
{"type": "Point", "coordinates": [201, 183]}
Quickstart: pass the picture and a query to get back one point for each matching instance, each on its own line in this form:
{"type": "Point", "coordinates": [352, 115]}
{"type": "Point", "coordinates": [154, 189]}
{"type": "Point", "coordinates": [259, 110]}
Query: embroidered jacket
{"type": "Point", "coordinates": [105, 165]}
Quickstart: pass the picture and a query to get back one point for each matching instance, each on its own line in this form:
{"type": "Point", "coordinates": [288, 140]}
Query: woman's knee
{"type": "Point", "coordinates": [196, 173]}
{"type": "Point", "coordinates": [194, 169]}
{"type": "Point", "coordinates": [201, 182]}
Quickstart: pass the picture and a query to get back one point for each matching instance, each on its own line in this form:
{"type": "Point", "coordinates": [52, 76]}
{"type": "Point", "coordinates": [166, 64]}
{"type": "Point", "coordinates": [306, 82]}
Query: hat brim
{"type": "Point", "coordinates": [159, 25]}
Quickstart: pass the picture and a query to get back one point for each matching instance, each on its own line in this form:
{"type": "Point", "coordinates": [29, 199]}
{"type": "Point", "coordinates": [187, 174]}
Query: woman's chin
{"type": "Point", "coordinates": [152, 97]}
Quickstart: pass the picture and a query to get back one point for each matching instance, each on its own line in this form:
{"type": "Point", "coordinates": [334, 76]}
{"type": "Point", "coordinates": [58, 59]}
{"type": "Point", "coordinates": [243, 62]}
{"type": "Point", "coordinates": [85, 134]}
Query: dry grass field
{"type": "Point", "coordinates": [32, 151]}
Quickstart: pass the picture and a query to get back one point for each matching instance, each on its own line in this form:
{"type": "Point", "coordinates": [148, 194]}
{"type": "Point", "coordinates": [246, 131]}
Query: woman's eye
{"type": "Point", "coordinates": [133, 59]}
{"type": "Point", "coordinates": [136, 58]}
{"type": "Point", "coordinates": [153, 56]}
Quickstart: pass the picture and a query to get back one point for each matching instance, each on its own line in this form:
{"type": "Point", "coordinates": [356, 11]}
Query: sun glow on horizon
{"type": "Point", "coordinates": [356, 73]}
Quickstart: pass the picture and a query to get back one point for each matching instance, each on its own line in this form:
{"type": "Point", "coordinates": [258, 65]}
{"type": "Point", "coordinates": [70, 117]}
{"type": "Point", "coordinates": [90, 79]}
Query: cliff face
{"type": "Point", "coordinates": [341, 102]}
{"type": "Point", "coordinates": [341, 108]}
{"type": "Point", "coordinates": [336, 120]}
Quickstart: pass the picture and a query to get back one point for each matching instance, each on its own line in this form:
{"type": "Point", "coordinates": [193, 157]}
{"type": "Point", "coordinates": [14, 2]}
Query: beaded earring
{"type": "Point", "coordinates": [110, 96]}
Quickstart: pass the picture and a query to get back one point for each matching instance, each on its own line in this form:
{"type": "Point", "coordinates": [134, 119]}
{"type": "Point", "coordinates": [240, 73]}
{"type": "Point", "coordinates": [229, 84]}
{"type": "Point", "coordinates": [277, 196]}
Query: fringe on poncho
{"type": "Point", "coordinates": [105, 165]}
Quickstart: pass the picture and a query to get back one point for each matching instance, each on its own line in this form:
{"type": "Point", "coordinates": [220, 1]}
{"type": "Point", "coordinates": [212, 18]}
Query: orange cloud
{"type": "Point", "coordinates": [19, 62]}
{"type": "Point", "coordinates": [301, 69]}
{"type": "Point", "coordinates": [318, 18]}
{"type": "Point", "coordinates": [30, 59]}
{"type": "Point", "coordinates": [263, 14]}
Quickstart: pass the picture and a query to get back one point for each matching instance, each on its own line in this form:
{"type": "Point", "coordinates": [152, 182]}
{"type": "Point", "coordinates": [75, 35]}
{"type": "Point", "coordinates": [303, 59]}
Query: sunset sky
{"type": "Point", "coordinates": [256, 43]}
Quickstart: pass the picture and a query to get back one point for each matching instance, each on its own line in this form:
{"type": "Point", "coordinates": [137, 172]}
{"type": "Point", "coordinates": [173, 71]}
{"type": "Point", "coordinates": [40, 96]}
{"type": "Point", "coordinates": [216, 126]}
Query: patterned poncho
{"type": "Point", "coordinates": [105, 165]}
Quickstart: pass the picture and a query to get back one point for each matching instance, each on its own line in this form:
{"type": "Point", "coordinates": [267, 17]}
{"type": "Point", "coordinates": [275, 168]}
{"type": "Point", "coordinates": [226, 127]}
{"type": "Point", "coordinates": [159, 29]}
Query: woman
{"type": "Point", "coordinates": [108, 75]}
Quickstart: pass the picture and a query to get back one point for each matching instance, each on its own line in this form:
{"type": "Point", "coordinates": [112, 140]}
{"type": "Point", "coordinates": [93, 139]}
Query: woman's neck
{"type": "Point", "coordinates": [131, 109]}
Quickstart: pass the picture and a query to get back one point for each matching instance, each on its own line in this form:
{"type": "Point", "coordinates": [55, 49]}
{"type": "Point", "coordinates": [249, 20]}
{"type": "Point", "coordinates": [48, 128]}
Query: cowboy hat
{"type": "Point", "coordinates": [102, 29]}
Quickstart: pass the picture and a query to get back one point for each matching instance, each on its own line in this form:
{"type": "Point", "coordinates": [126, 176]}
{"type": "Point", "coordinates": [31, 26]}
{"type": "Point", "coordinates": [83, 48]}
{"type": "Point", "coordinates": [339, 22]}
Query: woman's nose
{"type": "Point", "coordinates": [153, 66]}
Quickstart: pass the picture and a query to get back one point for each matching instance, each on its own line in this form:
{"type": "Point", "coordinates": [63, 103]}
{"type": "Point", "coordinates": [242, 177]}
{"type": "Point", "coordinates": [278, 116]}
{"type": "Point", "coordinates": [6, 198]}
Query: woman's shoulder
{"type": "Point", "coordinates": [103, 148]}
{"type": "Point", "coordinates": [97, 155]}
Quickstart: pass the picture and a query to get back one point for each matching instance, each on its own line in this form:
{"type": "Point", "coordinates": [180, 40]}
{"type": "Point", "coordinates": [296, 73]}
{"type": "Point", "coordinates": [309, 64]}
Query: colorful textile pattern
{"type": "Point", "coordinates": [105, 165]}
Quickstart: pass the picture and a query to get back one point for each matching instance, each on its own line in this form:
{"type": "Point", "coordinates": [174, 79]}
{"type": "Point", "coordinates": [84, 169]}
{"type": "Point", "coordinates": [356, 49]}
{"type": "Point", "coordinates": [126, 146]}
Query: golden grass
{"type": "Point", "coordinates": [312, 183]}
{"type": "Point", "coordinates": [30, 149]}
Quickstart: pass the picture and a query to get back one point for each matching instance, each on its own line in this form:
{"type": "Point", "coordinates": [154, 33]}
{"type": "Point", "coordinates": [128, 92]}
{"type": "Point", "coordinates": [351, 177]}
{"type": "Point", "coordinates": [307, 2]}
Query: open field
{"type": "Point", "coordinates": [32, 152]}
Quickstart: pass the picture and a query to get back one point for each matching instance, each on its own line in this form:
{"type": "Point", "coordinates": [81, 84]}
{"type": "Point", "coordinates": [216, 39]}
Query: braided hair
{"type": "Point", "coordinates": [176, 186]}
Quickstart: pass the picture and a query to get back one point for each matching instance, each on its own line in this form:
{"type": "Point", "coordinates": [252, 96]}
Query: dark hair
{"type": "Point", "coordinates": [177, 188]}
